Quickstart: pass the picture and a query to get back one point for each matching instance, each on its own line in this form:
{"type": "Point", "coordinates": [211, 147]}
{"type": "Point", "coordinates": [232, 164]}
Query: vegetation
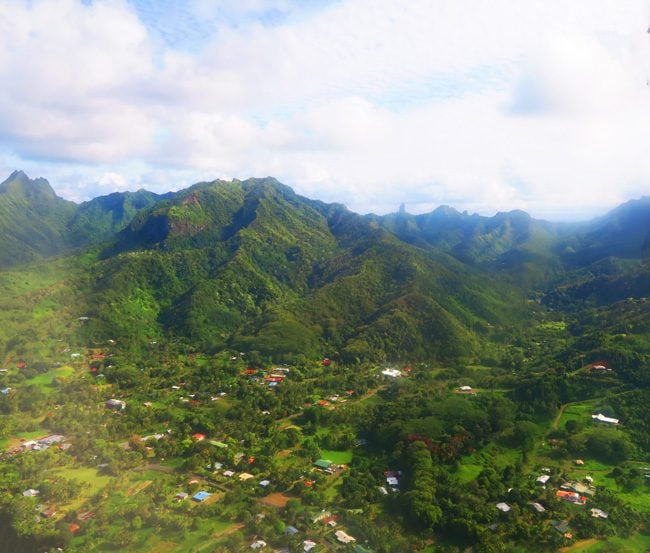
{"type": "Point", "coordinates": [244, 334]}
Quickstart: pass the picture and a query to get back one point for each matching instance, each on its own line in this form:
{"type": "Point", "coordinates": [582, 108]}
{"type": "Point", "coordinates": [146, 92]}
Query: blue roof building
{"type": "Point", "coordinates": [201, 496]}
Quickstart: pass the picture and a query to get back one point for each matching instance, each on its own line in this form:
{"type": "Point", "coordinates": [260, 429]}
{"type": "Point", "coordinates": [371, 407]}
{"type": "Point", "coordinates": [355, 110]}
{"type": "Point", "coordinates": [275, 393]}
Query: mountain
{"type": "Point", "coordinates": [100, 218]}
{"type": "Point", "coordinates": [253, 265]}
{"type": "Point", "coordinates": [622, 233]}
{"type": "Point", "coordinates": [33, 219]}
{"type": "Point", "coordinates": [36, 223]}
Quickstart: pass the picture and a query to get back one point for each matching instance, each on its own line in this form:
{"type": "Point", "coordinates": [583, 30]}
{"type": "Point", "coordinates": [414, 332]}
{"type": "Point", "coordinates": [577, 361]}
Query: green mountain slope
{"type": "Point", "coordinates": [32, 219]}
{"type": "Point", "coordinates": [36, 223]}
{"type": "Point", "coordinates": [100, 218]}
{"type": "Point", "coordinates": [522, 249]}
{"type": "Point", "coordinates": [253, 265]}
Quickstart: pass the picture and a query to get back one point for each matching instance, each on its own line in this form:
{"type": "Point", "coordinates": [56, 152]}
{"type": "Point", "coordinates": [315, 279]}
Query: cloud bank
{"type": "Point", "coordinates": [542, 106]}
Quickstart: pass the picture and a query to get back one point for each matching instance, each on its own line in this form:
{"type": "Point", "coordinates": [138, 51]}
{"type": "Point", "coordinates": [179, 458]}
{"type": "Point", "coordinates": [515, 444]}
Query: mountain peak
{"type": "Point", "coordinates": [19, 182]}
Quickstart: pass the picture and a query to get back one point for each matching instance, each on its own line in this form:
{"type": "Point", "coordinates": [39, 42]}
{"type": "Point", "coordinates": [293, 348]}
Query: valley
{"type": "Point", "coordinates": [234, 367]}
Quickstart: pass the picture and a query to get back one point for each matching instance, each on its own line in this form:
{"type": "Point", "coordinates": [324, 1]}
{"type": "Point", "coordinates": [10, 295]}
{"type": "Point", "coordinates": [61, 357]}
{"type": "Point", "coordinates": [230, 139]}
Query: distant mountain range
{"type": "Point", "coordinates": [250, 264]}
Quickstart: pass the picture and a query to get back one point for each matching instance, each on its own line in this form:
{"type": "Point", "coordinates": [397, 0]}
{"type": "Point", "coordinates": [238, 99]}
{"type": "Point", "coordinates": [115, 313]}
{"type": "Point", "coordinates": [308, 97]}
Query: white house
{"type": "Point", "coordinates": [602, 418]}
{"type": "Point", "coordinates": [393, 373]}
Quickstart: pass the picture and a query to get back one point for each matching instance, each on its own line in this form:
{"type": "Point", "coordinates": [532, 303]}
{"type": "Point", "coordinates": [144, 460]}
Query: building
{"type": "Point", "coordinates": [323, 464]}
{"type": "Point", "coordinates": [602, 418]}
{"type": "Point", "coordinates": [537, 506]}
{"type": "Point", "coordinates": [503, 507]}
{"type": "Point", "coordinates": [201, 496]}
{"type": "Point", "coordinates": [543, 479]}
{"type": "Point", "coordinates": [116, 404]}
{"type": "Point", "coordinates": [393, 373]}
{"type": "Point", "coordinates": [342, 537]}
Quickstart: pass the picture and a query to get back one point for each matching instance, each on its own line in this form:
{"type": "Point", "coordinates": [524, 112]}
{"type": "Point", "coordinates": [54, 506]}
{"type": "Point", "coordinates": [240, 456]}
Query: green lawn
{"type": "Point", "coordinates": [91, 482]}
{"type": "Point", "coordinates": [580, 412]}
{"type": "Point", "coordinates": [337, 457]}
{"type": "Point", "coordinates": [468, 471]}
{"type": "Point", "coordinates": [45, 380]}
{"type": "Point", "coordinates": [638, 542]}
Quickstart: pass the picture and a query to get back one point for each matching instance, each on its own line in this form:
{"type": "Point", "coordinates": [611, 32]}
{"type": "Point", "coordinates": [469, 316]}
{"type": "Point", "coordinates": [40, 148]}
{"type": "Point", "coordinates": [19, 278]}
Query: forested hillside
{"type": "Point", "coordinates": [234, 366]}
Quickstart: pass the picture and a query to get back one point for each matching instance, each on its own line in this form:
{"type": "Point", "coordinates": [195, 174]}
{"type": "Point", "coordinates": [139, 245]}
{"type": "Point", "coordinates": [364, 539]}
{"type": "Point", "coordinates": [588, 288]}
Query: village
{"type": "Point", "coordinates": [290, 487]}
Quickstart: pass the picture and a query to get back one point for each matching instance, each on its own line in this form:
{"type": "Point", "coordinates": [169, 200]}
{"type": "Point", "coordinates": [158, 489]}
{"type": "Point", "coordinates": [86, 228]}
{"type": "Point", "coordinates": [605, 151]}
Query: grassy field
{"type": "Point", "coordinates": [638, 542]}
{"type": "Point", "coordinates": [468, 471]}
{"type": "Point", "coordinates": [337, 457]}
{"type": "Point", "coordinates": [580, 412]}
{"type": "Point", "coordinates": [91, 482]}
{"type": "Point", "coordinates": [45, 381]}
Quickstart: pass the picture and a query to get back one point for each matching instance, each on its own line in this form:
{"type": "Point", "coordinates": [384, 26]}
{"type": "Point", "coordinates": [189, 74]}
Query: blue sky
{"type": "Point", "coordinates": [537, 105]}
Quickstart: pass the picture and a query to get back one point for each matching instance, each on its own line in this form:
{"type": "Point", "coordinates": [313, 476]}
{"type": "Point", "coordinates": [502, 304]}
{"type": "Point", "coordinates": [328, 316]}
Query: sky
{"type": "Point", "coordinates": [541, 105]}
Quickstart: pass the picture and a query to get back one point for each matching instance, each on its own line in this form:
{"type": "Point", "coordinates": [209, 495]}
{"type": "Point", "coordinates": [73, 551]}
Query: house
{"type": "Point", "coordinates": [116, 404]}
{"type": "Point", "coordinates": [182, 496]}
{"type": "Point", "coordinates": [5, 391]}
{"type": "Point", "coordinates": [571, 497]}
{"type": "Point", "coordinates": [342, 537]}
{"type": "Point", "coordinates": [543, 479]}
{"type": "Point", "coordinates": [560, 525]}
{"type": "Point", "coordinates": [291, 530]}
{"type": "Point", "coordinates": [329, 519]}
{"type": "Point", "coordinates": [198, 437]}
{"type": "Point", "coordinates": [308, 545]}
{"type": "Point", "coordinates": [31, 493]}
{"type": "Point", "coordinates": [258, 544]}
{"type": "Point", "coordinates": [392, 481]}
{"type": "Point", "coordinates": [579, 487]}
{"type": "Point", "coordinates": [228, 473]}
{"type": "Point", "coordinates": [265, 483]}
{"type": "Point", "coordinates": [383, 490]}
{"type": "Point", "coordinates": [201, 496]}
{"type": "Point", "coordinates": [74, 528]}
{"type": "Point", "coordinates": [579, 462]}
{"type": "Point", "coordinates": [326, 362]}
{"type": "Point", "coordinates": [537, 506]}
{"type": "Point", "coordinates": [465, 389]}
{"type": "Point", "coordinates": [503, 507]}
{"type": "Point", "coordinates": [320, 516]}
{"type": "Point", "coordinates": [602, 418]}
{"type": "Point", "coordinates": [49, 512]}
{"type": "Point", "coordinates": [245, 476]}
{"type": "Point", "coordinates": [393, 373]}
{"type": "Point", "coordinates": [598, 513]}
{"type": "Point", "coordinates": [323, 464]}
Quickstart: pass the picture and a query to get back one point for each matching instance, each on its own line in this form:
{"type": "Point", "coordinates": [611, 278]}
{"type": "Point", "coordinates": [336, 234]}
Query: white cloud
{"type": "Point", "coordinates": [486, 106]}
